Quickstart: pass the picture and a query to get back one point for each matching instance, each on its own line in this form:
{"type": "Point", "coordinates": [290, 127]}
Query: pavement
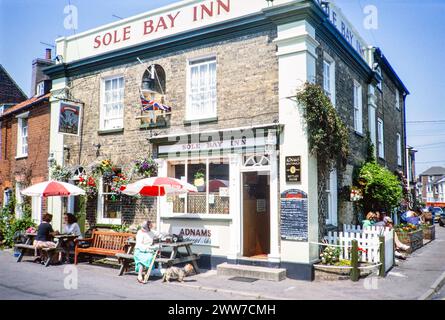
{"type": "Point", "coordinates": [421, 276]}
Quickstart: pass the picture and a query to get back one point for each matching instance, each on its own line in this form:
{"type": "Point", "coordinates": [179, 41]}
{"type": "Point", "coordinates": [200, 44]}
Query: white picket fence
{"type": "Point", "coordinates": [368, 239]}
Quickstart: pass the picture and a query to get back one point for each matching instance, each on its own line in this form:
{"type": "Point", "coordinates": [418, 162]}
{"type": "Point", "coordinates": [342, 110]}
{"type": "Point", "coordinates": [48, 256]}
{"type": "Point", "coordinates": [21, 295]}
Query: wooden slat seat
{"type": "Point", "coordinates": [24, 246]}
{"type": "Point", "coordinates": [103, 243]}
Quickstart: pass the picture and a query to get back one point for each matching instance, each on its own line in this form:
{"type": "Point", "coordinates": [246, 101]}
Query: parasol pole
{"type": "Point", "coordinates": [158, 215]}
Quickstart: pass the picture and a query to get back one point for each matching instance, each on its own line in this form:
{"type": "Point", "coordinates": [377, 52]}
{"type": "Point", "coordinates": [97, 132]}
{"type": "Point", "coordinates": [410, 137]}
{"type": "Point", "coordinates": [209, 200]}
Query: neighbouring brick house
{"type": "Point", "coordinates": [24, 149]}
{"type": "Point", "coordinates": [229, 71]}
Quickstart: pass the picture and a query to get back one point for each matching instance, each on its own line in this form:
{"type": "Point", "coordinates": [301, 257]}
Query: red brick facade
{"type": "Point", "coordinates": [33, 168]}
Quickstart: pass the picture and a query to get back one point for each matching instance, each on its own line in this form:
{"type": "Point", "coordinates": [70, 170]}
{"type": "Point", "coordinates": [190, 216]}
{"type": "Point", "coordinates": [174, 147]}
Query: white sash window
{"type": "Point", "coordinates": [358, 108]}
{"type": "Point", "coordinates": [112, 113]}
{"type": "Point", "coordinates": [201, 102]}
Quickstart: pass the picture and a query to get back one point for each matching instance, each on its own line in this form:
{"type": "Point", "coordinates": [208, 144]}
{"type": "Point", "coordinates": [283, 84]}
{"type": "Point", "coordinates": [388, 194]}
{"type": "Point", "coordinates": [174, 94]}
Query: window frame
{"type": "Point", "coordinates": [210, 59]}
{"type": "Point", "coordinates": [358, 108]}
{"type": "Point", "coordinates": [380, 138]}
{"type": "Point", "coordinates": [328, 60]}
{"type": "Point", "coordinates": [399, 149]}
{"type": "Point", "coordinates": [207, 161]}
{"type": "Point", "coordinates": [397, 100]}
{"type": "Point", "coordinates": [20, 145]}
{"type": "Point", "coordinates": [102, 102]}
{"type": "Point", "coordinates": [101, 206]}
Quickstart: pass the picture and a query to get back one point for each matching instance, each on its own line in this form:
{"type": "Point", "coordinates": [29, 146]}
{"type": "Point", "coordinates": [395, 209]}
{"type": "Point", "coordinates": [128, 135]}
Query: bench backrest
{"type": "Point", "coordinates": [110, 240]}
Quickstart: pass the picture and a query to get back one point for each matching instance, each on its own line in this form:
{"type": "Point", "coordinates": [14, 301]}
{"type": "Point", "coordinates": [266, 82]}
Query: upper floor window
{"type": "Point", "coordinates": [397, 99]}
{"type": "Point", "coordinates": [201, 102]}
{"type": "Point", "coordinates": [329, 77]}
{"type": "Point", "coordinates": [112, 110]}
{"type": "Point", "coordinates": [40, 89]}
{"type": "Point", "coordinates": [380, 141]}
{"type": "Point", "coordinates": [22, 135]}
{"type": "Point", "coordinates": [358, 108]}
{"type": "Point", "coordinates": [399, 150]}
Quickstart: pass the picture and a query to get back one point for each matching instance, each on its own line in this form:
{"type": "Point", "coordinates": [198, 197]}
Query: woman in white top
{"type": "Point", "coordinates": [143, 252]}
{"type": "Point", "coordinates": [71, 225]}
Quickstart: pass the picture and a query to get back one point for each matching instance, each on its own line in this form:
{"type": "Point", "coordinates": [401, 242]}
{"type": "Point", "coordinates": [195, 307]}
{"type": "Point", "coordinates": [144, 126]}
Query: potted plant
{"type": "Point", "coordinates": [199, 179]}
{"type": "Point", "coordinates": [145, 167]}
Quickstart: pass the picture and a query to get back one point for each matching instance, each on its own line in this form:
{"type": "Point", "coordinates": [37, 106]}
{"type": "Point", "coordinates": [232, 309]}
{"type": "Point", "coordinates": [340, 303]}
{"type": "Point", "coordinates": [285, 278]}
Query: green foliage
{"type": "Point", "coordinates": [381, 189]}
{"type": "Point", "coordinates": [120, 228]}
{"type": "Point", "coordinates": [60, 173]}
{"type": "Point", "coordinates": [328, 135]}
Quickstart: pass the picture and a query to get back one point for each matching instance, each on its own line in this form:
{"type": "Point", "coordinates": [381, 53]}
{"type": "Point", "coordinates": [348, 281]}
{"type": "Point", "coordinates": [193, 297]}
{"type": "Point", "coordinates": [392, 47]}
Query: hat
{"type": "Point", "coordinates": [387, 220]}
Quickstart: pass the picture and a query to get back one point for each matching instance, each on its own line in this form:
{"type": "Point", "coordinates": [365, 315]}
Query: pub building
{"type": "Point", "coordinates": [207, 89]}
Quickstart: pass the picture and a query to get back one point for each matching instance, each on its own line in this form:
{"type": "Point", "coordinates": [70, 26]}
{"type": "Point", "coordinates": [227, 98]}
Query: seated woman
{"type": "Point", "coordinates": [143, 253]}
{"type": "Point", "coordinates": [45, 234]}
{"type": "Point", "coordinates": [398, 244]}
{"type": "Point", "coordinates": [70, 227]}
{"type": "Point", "coordinates": [370, 220]}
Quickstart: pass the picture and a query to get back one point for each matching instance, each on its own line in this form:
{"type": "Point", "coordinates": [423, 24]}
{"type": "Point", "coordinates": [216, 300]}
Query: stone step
{"type": "Point", "coordinates": [262, 273]}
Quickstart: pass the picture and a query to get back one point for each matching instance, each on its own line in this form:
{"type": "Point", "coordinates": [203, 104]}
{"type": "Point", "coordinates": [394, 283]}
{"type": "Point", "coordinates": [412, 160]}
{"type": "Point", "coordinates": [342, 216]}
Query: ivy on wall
{"type": "Point", "coordinates": [328, 138]}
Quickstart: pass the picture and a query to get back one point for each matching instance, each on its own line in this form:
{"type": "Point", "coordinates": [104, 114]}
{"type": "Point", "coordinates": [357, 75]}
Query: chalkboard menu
{"type": "Point", "coordinates": [294, 216]}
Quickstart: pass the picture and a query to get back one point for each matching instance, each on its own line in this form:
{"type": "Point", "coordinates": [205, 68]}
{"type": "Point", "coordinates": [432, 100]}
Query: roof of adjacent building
{"type": "Point", "coordinates": [10, 92]}
{"type": "Point", "coordinates": [434, 171]}
{"type": "Point", "coordinates": [26, 104]}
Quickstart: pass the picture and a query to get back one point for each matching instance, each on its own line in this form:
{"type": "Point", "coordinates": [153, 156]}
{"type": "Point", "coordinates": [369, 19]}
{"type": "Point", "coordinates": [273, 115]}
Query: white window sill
{"type": "Point", "coordinates": [203, 119]}
{"type": "Point", "coordinates": [110, 131]}
{"type": "Point", "coordinates": [24, 156]}
{"type": "Point", "coordinates": [221, 217]}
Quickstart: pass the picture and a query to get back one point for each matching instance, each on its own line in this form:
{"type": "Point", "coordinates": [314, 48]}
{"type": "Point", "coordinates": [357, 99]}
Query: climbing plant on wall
{"type": "Point", "coordinates": [328, 138]}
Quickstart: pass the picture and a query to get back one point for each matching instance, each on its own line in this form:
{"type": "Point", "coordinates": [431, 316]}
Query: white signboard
{"type": "Point", "coordinates": [213, 145]}
{"type": "Point", "coordinates": [197, 235]}
{"type": "Point", "coordinates": [176, 18]}
{"type": "Point", "coordinates": [347, 30]}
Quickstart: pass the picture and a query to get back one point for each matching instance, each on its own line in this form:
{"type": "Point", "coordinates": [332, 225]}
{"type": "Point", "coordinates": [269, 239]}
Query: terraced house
{"type": "Point", "coordinates": [207, 89]}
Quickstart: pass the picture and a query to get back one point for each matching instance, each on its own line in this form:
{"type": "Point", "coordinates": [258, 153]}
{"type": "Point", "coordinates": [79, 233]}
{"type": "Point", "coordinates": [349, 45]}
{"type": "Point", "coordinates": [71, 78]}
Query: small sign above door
{"type": "Point", "coordinates": [293, 169]}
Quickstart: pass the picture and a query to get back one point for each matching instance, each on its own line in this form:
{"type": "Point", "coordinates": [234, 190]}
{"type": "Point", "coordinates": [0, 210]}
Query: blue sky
{"type": "Point", "coordinates": [410, 33]}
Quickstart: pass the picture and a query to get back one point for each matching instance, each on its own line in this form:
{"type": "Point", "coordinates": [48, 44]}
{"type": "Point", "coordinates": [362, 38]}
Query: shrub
{"type": "Point", "coordinates": [381, 189]}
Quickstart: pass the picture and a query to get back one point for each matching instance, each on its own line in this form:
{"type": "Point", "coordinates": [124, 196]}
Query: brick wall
{"type": "Point", "coordinates": [247, 91]}
{"type": "Point", "coordinates": [35, 165]}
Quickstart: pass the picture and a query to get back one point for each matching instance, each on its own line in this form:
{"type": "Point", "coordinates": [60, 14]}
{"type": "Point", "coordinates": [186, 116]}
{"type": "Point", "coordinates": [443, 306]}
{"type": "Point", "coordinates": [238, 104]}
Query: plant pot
{"type": "Point", "coordinates": [334, 273]}
{"type": "Point", "coordinates": [199, 182]}
{"type": "Point", "coordinates": [429, 233]}
{"type": "Point", "coordinates": [413, 239]}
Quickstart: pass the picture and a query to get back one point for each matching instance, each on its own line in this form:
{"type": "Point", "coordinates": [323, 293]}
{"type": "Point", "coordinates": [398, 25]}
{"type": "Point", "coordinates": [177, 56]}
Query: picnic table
{"type": "Point", "coordinates": [169, 255]}
{"type": "Point", "coordinates": [62, 244]}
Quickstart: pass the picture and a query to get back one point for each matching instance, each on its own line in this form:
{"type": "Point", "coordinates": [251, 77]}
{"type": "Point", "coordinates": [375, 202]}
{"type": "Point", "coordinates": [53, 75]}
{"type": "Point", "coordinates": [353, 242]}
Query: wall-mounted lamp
{"type": "Point", "coordinates": [68, 153]}
{"type": "Point", "coordinates": [97, 146]}
{"type": "Point", "coordinates": [269, 3]}
{"type": "Point", "coordinates": [59, 58]}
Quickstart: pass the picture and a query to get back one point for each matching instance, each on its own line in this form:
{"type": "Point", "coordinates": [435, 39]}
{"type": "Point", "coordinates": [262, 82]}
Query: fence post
{"type": "Point", "coordinates": [355, 272]}
{"type": "Point", "coordinates": [382, 270]}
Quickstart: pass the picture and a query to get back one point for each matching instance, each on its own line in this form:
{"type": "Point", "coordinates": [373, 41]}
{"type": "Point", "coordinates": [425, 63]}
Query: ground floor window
{"type": "Point", "coordinates": [211, 178]}
{"type": "Point", "coordinates": [109, 205]}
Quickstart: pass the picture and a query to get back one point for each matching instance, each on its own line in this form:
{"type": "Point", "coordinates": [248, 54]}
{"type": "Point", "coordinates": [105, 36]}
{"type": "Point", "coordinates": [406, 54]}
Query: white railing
{"type": "Point", "coordinates": [368, 240]}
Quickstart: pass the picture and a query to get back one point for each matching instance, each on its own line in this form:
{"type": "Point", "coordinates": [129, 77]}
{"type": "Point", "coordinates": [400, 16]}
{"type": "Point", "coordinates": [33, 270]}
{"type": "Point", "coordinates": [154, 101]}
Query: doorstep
{"type": "Point", "coordinates": [262, 273]}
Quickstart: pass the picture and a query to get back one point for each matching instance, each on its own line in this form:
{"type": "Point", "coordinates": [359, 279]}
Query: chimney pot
{"type": "Point", "coordinates": [48, 54]}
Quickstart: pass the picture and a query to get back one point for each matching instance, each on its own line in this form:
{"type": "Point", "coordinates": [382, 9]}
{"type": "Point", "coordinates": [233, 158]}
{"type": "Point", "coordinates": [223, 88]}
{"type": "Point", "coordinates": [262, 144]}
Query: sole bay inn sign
{"type": "Point", "coordinates": [176, 18]}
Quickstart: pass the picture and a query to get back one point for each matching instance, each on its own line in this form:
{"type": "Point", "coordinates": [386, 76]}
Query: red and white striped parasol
{"type": "Point", "coordinates": [158, 186]}
{"type": "Point", "coordinates": [53, 189]}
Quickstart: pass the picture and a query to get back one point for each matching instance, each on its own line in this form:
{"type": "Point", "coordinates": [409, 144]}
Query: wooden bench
{"type": "Point", "coordinates": [103, 243]}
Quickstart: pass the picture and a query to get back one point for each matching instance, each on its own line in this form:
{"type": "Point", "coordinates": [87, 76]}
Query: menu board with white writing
{"type": "Point", "coordinates": [294, 215]}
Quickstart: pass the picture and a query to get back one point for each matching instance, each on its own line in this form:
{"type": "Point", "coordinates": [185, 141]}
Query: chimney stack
{"type": "Point", "coordinates": [48, 54]}
{"type": "Point", "coordinates": [37, 72]}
